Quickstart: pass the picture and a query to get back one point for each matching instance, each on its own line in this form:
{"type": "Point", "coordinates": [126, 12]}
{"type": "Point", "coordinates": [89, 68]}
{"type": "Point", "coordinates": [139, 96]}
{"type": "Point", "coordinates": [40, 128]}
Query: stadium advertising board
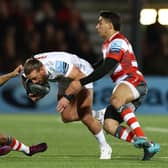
{"type": "Point", "coordinates": [13, 97]}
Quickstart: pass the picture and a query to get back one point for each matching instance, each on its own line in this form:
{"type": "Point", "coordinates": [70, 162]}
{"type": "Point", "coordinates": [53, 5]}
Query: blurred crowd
{"type": "Point", "coordinates": [155, 50]}
{"type": "Point", "coordinates": [28, 27]}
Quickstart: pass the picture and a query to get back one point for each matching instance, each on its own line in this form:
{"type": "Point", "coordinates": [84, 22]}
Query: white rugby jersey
{"type": "Point", "coordinates": [60, 64]}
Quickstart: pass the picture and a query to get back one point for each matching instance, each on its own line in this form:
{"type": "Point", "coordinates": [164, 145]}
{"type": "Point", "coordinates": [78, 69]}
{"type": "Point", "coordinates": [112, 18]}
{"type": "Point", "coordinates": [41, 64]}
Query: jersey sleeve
{"type": "Point", "coordinates": [62, 68]}
{"type": "Point", "coordinates": [116, 49]}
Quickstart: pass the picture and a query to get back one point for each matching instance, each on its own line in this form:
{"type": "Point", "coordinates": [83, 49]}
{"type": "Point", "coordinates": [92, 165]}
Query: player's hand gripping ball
{"type": "Point", "coordinates": [37, 89]}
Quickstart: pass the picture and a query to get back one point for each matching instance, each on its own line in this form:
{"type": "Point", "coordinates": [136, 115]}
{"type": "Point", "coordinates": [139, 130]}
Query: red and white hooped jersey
{"type": "Point", "coordinates": [119, 48]}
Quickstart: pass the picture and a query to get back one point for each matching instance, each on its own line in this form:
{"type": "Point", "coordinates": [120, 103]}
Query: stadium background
{"type": "Point", "coordinates": [28, 27]}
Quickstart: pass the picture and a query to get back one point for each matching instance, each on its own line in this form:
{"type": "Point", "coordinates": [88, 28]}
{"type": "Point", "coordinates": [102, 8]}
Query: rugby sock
{"type": "Point", "coordinates": [131, 120]}
{"type": "Point", "coordinates": [125, 134]}
{"type": "Point", "coordinates": [17, 145]}
{"type": "Point", "coordinates": [101, 138]}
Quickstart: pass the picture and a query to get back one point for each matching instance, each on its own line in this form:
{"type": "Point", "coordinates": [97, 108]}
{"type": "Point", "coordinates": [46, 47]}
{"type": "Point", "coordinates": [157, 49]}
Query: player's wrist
{"type": "Point", "coordinates": [69, 97]}
{"type": "Point", "coordinates": [82, 82]}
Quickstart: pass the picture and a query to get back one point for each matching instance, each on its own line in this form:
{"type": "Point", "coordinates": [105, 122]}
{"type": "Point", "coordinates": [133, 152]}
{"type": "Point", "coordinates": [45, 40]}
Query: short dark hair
{"type": "Point", "coordinates": [32, 64]}
{"type": "Point", "coordinates": [113, 17]}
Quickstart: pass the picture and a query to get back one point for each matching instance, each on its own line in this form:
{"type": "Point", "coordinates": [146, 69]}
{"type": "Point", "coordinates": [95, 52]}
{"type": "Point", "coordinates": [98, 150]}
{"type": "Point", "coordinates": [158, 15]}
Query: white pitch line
{"type": "Point", "coordinates": [92, 157]}
{"type": "Point", "coordinates": [154, 129]}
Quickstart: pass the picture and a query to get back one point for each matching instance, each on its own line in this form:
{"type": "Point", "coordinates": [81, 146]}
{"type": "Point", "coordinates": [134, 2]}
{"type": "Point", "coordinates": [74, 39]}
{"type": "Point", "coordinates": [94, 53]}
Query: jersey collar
{"type": "Point", "coordinates": [108, 40]}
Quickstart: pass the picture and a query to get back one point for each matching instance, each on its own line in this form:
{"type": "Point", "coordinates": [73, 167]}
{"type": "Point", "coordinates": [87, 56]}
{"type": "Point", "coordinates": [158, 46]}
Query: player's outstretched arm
{"type": "Point", "coordinates": [6, 77]}
{"type": "Point", "coordinates": [76, 85]}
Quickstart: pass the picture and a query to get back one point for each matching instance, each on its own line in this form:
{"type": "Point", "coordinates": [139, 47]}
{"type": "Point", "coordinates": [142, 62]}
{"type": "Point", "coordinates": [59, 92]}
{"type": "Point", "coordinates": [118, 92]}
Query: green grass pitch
{"type": "Point", "coordinates": [72, 146]}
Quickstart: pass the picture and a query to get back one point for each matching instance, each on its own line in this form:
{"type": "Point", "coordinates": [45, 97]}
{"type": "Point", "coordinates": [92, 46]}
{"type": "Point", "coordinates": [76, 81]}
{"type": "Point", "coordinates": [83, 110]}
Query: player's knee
{"type": "Point", "coordinates": [3, 139]}
{"type": "Point", "coordinates": [86, 118]}
{"type": "Point", "coordinates": [66, 119]}
{"type": "Point", "coordinates": [123, 107]}
{"type": "Point", "coordinates": [116, 102]}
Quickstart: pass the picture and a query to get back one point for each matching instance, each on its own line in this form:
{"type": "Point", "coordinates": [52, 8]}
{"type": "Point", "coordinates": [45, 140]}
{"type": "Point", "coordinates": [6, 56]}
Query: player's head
{"type": "Point", "coordinates": [112, 17]}
{"type": "Point", "coordinates": [35, 71]}
{"type": "Point", "coordinates": [108, 21]}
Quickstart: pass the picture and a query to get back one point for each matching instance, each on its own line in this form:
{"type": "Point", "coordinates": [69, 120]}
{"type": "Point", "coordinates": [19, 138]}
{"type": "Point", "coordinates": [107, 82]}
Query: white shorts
{"type": "Point", "coordinates": [131, 86]}
{"type": "Point", "coordinates": [87, 69]}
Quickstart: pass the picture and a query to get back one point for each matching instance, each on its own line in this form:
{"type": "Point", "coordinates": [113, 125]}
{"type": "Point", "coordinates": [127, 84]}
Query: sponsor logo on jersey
{"type": "Point", "coordinates": [41, 57]}
{"type": "Point", "coordinates": [61, 67]}
{"type": "Point", "coordinates": [115, 46]}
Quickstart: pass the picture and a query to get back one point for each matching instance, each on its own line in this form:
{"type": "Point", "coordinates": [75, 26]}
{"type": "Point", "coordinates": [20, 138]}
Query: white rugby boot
{"type": "Point", "coordinates": [105, 152]}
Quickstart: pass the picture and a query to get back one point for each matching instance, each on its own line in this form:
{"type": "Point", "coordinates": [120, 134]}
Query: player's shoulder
{"type": "Point", "coordinates": [119, 37]}
{"type": "Point", "coordinates": [54, 54]}
{"type": "Point", "coordinates": [119, 41]}
{"type": "Point", "coordinates": [43, 55]}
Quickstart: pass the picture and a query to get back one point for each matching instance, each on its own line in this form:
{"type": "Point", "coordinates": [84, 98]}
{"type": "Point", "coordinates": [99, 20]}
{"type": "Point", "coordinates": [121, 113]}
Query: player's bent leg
{"type": "Point", "coordinates": [17, 145]}
{"type": "Point", "coordinates": [85, 113]}
{"type": "Point", "coordinates": [95, 127]}
{"type": "Point", "coordinates": [32, 149]}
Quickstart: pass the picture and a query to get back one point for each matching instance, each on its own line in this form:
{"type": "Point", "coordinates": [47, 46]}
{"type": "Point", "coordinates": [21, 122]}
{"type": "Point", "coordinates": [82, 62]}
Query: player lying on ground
{"type": "Point", "coordinates": [62, 67]}
{"type": "Point", "coordinates": [9, 143]}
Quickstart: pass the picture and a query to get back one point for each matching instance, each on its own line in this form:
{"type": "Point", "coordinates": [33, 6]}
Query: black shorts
{"type": "Point", "coordinates": [112, 114]}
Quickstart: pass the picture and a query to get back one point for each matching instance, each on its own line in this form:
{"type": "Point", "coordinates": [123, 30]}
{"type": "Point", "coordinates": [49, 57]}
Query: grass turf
{"type": "Point", "coordinates": [72, 146]}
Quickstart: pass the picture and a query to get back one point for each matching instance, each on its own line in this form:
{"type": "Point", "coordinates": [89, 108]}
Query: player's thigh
{"type": "Point", "coordinates": [85, 98]}
{"type": "Point", "coordinates": [84, 103]}
{"type": "Point", "coordinates": [70, 113]}
{"type": "Point", "coordinates": [80, 106]}
{"type": "Point", "coordinates": [122, 93]}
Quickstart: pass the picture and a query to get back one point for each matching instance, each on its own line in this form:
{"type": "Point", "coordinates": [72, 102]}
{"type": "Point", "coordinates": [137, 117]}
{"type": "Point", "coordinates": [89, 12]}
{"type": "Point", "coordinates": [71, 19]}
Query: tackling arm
{"type": "Point", "coordinates": [99, 72]}
{"type": "Point", "coordinates": [6, 77]}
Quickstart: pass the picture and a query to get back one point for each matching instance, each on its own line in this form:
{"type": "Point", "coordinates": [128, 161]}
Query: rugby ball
{"type": "Point", "coordinates": [37, 89]}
